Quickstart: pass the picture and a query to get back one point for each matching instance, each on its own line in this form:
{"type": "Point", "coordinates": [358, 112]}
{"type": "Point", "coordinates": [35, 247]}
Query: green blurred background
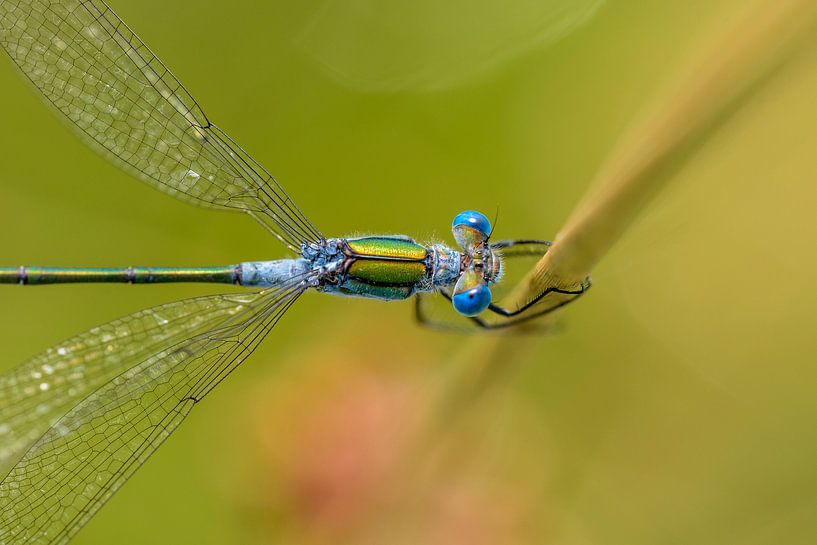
{"type": "Point", "coordinates": [676, 404]}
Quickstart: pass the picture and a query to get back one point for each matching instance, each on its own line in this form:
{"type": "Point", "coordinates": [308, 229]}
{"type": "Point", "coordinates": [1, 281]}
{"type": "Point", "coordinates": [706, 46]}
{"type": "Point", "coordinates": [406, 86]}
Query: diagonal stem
{"type": "Point", "coordinates": [739, 64]}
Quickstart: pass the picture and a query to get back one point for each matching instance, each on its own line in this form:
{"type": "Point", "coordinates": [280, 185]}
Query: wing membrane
{"type": "Point", "coordinates": [36, 393]}
{"type": "Point", "coordinates": [137, 396]}
{"type": "Point", "coordinates": [127, 105]}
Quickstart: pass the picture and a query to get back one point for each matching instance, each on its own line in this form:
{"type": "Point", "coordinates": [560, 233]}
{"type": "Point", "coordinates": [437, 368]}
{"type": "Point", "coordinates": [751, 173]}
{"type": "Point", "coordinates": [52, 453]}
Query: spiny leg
{"type": "Point", "coordinates": [502, 311]}
{"type": "Point", "coordinates": [457, 322]}
{"type": "Point", "coordinates": [522, 247]}
{"type": "Point", "coordinates": [509, 249]}
{"type": "Point", "coordinates": [515, 317]}
{"type": "Point", "coordinates": [423, 319]}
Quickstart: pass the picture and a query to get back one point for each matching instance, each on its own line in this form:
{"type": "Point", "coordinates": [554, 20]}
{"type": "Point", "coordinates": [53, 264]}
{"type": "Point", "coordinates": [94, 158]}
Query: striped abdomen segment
{"type": "Point", "coordinates": [126, 275]}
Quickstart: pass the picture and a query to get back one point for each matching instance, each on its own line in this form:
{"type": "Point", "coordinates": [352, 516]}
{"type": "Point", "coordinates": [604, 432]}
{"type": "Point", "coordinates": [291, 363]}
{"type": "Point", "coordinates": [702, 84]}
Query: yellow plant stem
{"type": "Point", "coordinates": [731, 69]}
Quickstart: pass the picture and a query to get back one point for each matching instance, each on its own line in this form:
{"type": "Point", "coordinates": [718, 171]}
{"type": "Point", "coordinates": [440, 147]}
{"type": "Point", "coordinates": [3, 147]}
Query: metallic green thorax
{"type": "Point", "coordinates": [384, 267]}
{"type": "Point", "coordinates": [128, 275]}
{"type": "Point", "coordinates": [388, 247]}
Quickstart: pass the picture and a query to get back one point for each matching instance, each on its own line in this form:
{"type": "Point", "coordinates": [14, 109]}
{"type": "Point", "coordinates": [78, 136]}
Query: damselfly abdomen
{"type": "Point", "coordinates": [77, 420]}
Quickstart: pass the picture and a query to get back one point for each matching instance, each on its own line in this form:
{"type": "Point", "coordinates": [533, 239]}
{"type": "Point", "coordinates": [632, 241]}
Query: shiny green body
{"type": "Point", "coordinates": [384, 267]}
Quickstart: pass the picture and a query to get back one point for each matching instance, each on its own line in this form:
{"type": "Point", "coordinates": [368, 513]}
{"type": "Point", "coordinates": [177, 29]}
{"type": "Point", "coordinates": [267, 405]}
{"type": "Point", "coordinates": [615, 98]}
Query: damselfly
{"type": "Point", "coordinates": [77, 420]}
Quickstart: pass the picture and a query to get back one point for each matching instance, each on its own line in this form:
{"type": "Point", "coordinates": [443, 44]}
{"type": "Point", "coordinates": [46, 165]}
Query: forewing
{"type": "Point", "coordinates": [128, 106]}
{"type": "Point", "coordinates": [87, 454]}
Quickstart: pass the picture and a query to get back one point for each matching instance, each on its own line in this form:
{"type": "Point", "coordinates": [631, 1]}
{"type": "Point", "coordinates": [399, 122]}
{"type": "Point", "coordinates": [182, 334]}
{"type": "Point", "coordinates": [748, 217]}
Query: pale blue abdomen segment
{"type": "Point", "coordinates": [266, 274]}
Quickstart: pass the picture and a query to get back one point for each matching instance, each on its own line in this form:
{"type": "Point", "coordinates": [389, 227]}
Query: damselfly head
{"type": "Point", "coordinates": [481, 266]}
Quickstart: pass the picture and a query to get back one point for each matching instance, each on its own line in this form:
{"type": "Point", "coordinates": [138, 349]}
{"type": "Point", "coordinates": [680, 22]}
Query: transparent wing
{"type": "Point", "coordinates": [136, 397]}
{"type": "Point", "coordinates": [128, 106]}
{"type": "Point", "coordinates": [36, 393]}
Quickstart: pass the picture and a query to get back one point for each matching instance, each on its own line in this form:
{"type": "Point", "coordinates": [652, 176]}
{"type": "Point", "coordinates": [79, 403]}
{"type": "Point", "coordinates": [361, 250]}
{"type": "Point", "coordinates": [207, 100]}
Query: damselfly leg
{"type": "Point", "coordinates": [548, 300]}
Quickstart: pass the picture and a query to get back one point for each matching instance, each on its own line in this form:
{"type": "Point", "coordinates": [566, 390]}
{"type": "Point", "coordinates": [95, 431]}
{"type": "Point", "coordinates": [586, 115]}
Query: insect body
{"type": "Point", "coordinates": [381, 267]}
{"type": "Point", "coordinates": [78, 419]}
{"type": "Point", "coordinates": [394, 268]}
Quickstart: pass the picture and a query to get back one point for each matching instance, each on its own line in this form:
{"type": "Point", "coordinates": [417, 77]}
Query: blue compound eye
{"type": "Point", "coordinates": [471, 230]}
{"type": "Point", "coordinates": [474, 220]}
{"type": "Point", "coordinates": [474, 301]}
